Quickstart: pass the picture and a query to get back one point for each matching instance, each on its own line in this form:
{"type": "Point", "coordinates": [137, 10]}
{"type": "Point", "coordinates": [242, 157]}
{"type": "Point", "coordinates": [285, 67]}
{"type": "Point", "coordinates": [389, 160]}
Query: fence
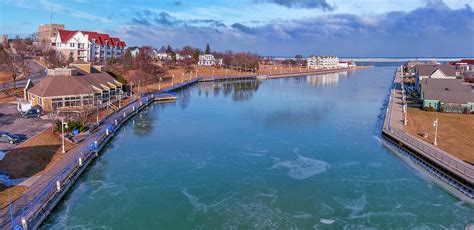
{"type": "Point", "coordinates": [448, 161]}
{"type": "Point", "coordinates": [36, 209]}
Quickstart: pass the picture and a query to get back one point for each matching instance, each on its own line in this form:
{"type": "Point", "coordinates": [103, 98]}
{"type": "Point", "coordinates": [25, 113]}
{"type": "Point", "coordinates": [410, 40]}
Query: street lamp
{"type": "Point", "coordinates": [435, 124]}
{"type": "Point", "coordinates": [62, 131]}
{"type": "Point", "coordinates": [405, 113]}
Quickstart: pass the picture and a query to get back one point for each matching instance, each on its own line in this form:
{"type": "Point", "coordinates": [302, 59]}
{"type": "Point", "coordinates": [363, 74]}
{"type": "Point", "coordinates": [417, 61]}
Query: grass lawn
{"type": "Point", "coordinates": [11, 96]}
{"type": "Point", "coordinates": [455, 132]}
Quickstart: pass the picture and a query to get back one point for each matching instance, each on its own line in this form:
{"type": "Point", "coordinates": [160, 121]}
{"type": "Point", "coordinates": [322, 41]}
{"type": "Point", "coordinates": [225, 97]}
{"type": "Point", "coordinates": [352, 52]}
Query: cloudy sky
{"type": "Point", "coordinates": [350, 28]}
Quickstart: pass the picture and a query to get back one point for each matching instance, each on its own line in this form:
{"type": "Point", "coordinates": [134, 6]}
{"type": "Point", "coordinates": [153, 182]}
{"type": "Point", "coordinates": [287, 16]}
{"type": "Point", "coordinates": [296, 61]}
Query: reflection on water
{"type": "Point", "coordinates": [144, 122]}
{"type": "Point", "coordinates": [329, 79]}
{"type": "Point", "coordinates": [240, 90]}
{"type": "Point", "coordinates": [294, 153]}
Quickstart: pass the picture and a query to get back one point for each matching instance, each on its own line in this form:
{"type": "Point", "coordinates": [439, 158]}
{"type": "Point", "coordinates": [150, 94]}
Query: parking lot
{"type": "Point", "coordinates": [12, 122]}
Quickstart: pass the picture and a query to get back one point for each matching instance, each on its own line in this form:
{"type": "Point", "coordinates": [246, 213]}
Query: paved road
{"type": "Point", "coordinates": [37, 73]}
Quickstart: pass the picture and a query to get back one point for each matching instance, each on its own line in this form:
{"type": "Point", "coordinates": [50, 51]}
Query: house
{"type": "Point", "coordinates": [75, 88]}
{"type": "Point", "coordinates": [443, 71]}
{"type": "Point", "coordinates": [464, 65]}
{"type": "Point", "coordinates": [447, 95]}
{"type": "Point", "coordinates": [207, 60]}
{"type": "Point", "coordinates": [88, 46]}
{"type": "Point", "coordinates": [323, 62]}
{"type": "Point", "coordinates": [134, 51]}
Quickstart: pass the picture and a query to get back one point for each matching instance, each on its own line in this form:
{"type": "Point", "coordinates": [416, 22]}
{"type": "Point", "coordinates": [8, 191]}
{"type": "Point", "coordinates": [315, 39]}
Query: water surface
{"type": "Point", "coordinates": [301, 152]}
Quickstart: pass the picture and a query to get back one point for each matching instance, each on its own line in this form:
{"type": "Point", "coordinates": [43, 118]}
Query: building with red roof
{"type": "Point", "coordinates": [464, 65]}
{"type": "Point", "coordinates": [88, 46]}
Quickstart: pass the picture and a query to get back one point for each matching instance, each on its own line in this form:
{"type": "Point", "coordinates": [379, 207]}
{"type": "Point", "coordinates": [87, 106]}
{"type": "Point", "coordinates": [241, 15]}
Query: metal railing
{"type": "Point", "coordinates": [426, 149]}
{"type": "Point", "coordinates": [31, 213]}
{"type": "Point", "coordinates": [42, 202]}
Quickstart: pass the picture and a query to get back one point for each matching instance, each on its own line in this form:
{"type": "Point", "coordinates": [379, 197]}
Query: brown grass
{"type": "Point", "coordinates": [10, 95]}
{"type": "Point", "coordinates": [455, 132]}
{"type": "Point", "coordinates": [31, 158]}
{"type": "Point", "coordinates": [14, 192]}
{"type": "Point", "coordinates": [35, 155]}
{"type": "Point", "coordinates": [4, 77]}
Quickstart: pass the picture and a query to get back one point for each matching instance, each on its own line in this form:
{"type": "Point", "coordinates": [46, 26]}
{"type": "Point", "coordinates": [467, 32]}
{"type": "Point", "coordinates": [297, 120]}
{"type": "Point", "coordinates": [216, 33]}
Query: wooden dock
{"type": "Point", "coordinates": [227, 78]}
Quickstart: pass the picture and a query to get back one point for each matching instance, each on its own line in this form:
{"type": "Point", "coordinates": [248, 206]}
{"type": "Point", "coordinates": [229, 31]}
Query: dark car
{"type": "Point", "coordinates": [31, 113]}
{"type": "Point", "coordinates": [8, 137]}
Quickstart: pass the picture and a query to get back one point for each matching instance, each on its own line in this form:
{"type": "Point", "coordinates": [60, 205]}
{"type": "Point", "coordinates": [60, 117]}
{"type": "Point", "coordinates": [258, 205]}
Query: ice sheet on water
{"type": "Point", "coordinates": [302, 167]}
{"type": "Point", "coordinates": [327, 221]}
{"type": "Point", "coordinates": [194, 200]}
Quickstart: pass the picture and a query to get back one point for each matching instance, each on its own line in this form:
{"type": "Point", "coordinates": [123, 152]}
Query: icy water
{"type": "Point", "coordinates": [296, 153]}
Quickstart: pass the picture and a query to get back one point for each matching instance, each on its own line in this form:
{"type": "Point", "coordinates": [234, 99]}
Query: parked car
{"type": "Point", "coordinates": [8, 137]}
{"type": "Point", "coordinates": [34, 112]}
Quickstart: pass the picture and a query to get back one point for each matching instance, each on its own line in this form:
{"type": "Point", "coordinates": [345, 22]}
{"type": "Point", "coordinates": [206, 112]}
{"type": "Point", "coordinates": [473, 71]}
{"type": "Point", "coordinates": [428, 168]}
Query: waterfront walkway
{"type": "Point", "coordinates": [34, 205]}
{"type": "Point", "coordinates": [461, 173]}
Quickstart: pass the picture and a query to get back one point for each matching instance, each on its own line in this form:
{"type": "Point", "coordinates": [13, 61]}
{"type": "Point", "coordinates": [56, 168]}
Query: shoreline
{"type": "Point", "coordinates": [450, 173]}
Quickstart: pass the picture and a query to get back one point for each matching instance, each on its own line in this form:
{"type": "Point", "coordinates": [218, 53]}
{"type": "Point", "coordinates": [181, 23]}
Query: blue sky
{"type": "Point", "coordinates": [385, 28]}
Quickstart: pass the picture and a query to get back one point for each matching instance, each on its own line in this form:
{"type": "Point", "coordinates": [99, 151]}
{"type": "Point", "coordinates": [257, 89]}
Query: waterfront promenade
{"type": "Point", "coordinates": [451, 170]}
{"type": "Point", "coordinates": [34, 205]}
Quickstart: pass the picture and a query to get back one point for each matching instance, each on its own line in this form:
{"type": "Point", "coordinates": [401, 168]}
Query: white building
{"type": "Point", "coordinates": [207, 60]}
{"type": "Point", "coordinates": [323, 62]}
{"type": "Point", "coordinates": [88, 46]}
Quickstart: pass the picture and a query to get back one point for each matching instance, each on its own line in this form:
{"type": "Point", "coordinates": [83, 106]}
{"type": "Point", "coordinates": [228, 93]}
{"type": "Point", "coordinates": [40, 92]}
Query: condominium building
{"type": "Point", "coordinates": [88, 46]}
{"type": "Point", "coordinates": [323, 62]}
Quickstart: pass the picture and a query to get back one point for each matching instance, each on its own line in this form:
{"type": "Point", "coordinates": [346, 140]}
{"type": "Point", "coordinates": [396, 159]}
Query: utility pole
{"type": "Point", "coordinates": [435, 124]}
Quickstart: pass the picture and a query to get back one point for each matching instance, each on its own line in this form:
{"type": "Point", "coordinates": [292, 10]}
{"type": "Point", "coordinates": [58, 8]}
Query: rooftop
{"type": "Point", "coordinates": [77, 83]}
{"type": "Point", "coordinates": [429, 69]}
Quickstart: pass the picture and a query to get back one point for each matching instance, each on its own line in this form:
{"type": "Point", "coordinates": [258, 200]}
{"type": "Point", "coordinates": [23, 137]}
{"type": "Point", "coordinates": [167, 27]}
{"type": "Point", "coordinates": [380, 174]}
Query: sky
{"type": "Point", "coordinates": [349, 28]}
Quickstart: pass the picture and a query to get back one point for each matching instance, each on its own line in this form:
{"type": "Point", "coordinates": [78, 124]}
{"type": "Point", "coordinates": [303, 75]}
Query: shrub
{"type": "Point", "coordinates": [429, 109]}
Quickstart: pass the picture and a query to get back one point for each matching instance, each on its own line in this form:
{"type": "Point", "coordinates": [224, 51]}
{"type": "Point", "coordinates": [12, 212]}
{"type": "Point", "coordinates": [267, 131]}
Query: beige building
{"type": "Point", "coordinates": [75, 88]}
{"type": "Point", "coordinates": [47, 34]}
{"type": "Point", "coordinates": [3, 39]}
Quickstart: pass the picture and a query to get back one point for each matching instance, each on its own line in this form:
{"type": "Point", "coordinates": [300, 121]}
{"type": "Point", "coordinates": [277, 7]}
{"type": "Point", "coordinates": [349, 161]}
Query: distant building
{"type": "Point", "coordinates": [88, 46]}
{"type": "Point", "coordinates": [424, 71]}
{"type": "Point", "coordinates": [323, 62]}
{"type": "Point", "coordinates": [3, 39]}
{"type": "Point", "coordinates": [464, 65]}
{"type": "Point", "coordinates": [47, 33]}
{"type": "Point", "coordinates": [447, 95]}
{"type": "Point", "coordinates": [346, 64]}
{"type": "Point", "coordinates": [74, 88]}
{"type": "Point", "coordinates": [207, 60]}
{"type": "Point", "coordinates": [163, 56]}
{"type": "Point", "coordinates": [134, 51]}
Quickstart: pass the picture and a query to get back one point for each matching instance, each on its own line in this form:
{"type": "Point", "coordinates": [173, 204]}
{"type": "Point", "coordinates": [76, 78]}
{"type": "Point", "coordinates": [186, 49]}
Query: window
{"type": "Point", "coordinates": [72, 45]}
{"type": "Point", "coordinates": [86, 100]}
{"type": "Point", "coordinates": [72, 101]}
{"type": "Point", "coordinates": [57, 103]}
